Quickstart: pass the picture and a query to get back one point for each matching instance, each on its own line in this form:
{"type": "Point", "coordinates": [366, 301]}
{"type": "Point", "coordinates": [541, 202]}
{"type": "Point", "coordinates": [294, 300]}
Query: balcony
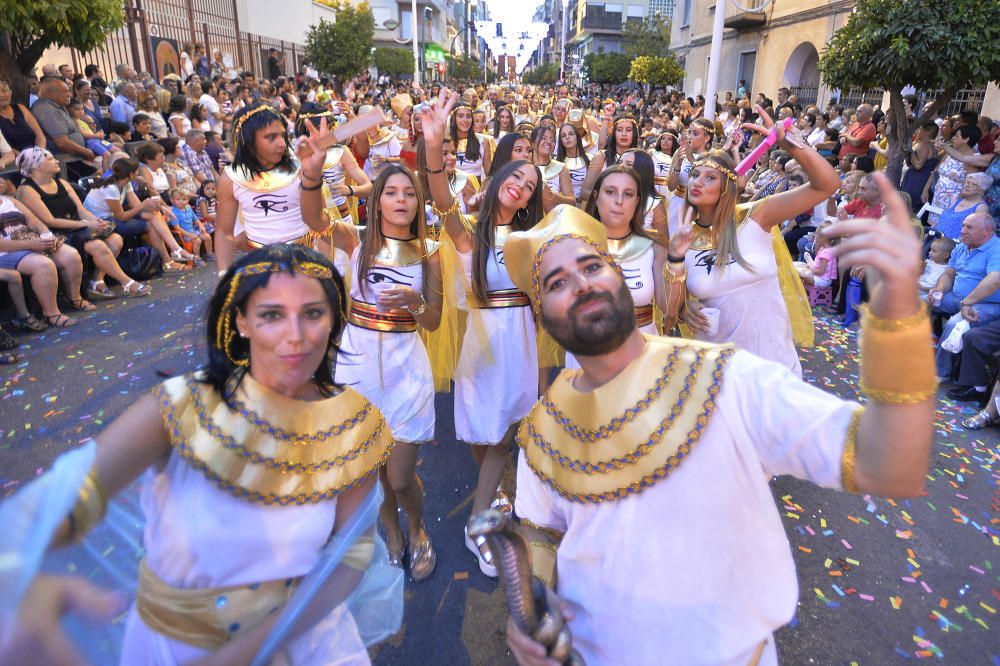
{"type": "Point", "coordinates": [740, 20]}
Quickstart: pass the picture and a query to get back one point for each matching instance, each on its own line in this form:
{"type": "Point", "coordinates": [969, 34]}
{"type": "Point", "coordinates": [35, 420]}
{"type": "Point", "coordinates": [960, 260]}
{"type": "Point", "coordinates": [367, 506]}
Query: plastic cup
{"type": "Point", "coordinates": [936, 297]}
{"type": "Point", "coordinates": [712, 315]}
{"type": "Point", "coordinates": [378, 289]}
{"type": "Point", "coordinates": [46, 235]}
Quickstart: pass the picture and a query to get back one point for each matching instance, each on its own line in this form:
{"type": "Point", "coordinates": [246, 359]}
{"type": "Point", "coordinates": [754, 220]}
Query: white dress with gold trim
{"type": "Point", "coordinates": [381, 355]}
{"type": "Point", "coordinates": [577, 173]}
{"type": "Point", "coordinates": [679, 195]}
{"type": "Point", "coordinates": [385, 145]}
{"type": "Point", "coordinates": [215, 519]}
{"type": "Point", "coordinates": [495, 386]}
{"type": "Point", "coordinates": [269, 205]}
{"type": "Point", "coordinates": [472, 167]}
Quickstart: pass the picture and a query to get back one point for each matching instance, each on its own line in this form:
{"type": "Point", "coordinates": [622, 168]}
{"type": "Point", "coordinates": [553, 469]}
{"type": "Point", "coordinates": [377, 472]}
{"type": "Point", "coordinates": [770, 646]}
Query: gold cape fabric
{"type": "Point", "coordinates": [630, 433]}
{"type": "Point", "coordinates": [271, 449]}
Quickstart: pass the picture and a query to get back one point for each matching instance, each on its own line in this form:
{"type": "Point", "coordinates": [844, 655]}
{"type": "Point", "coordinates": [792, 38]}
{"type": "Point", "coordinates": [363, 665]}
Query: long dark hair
{"type": "Point", "coordinates": [120, 170]}
{"type": "Point", "coordinates": [484, 236]}
{"type": "Point", "coordinates": [496, 128]}
{"type": "Point", "coordinates": [472, 152]}
{"type": "Point", "coordinates": [636, 222]}
{"type": "Point", "coordinates": [561, 149]}
{"type": "Point", "coordinates": [246, 123]}
{"type": "Point", "coordinates": [644, 166]}
{"type": "Point", "coordinates": [374, 239]}
{"type": "Point", "coordinates": [504, 152]}
{"type": "Point", "coordinates": [611, 150]}
{"type": "Point", "coordinates": [221, 372]}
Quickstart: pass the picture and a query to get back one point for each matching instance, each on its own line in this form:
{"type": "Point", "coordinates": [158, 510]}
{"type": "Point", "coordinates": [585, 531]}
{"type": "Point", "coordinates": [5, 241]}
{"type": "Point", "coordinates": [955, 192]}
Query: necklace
{"type": "Point", "coordinates": [703, 226]}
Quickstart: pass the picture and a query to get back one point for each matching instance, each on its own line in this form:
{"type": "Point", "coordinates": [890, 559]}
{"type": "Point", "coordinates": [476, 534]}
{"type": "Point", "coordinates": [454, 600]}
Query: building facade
{"type": "Point", "coordinates": [779, 47]}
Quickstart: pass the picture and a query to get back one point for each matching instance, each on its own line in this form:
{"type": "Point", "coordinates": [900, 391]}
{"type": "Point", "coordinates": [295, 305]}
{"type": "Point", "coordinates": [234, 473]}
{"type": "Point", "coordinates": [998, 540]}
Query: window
{"type": "Point", "coordinates": [636, 11]}
{"type": "Point", "coordinates": [686, 13]}
{"type": "Point", "coordinates": [405, 24]}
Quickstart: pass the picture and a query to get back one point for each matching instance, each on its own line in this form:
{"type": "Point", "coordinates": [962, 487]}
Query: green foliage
{"type": "Point", "coordinates": [393, 61]}
{"type": "Point", "coordinates": [342, 48]}
{"type": "Point", "coordinates": [606, 67]}
{"type": "Point", "coordinates": [650, 37]}
{"type": "Point", "coordinates": [663, 71]}
{"type": "Point", "coordinates": [465, 68]}
{"type": "Point", "coordinates": [929, 44]}
{"type": "Point", "coordinates": [542, 76]}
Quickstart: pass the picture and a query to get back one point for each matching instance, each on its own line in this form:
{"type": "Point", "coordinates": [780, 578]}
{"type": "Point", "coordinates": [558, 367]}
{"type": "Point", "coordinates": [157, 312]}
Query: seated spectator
{"type": "Point", "coordinates": [142, 127]}
{"type": "Point", "coordinates": [195, 158]}
{"type": "Point", "coordinates": [54, 202]}
{"type": "Point", "coordinates": [175, 167]}
{"type": "Point", "coordinates": [7, 153]}
{"type": "Point", "coordinates": [94, 140]}
{"type": "Point", "coordinates": [936, 263]}
{"type": "Point", "coordinates": [217, 151]}
{"type": "Point", "coordinates": [27, 246]}
{"type": "Point", "coordinates": [119, 133]}
{"type": "Point", "coordinates": [149, 105]}
{"type": "Point", "coordinates": [85, 95]}
{"type": "Point", "coordinates": [114, 199]}
{"type": "Point", "coordinates": [989, 416]}
{"type": "Point", "coordinates": [979, 345]}
{"type": "Point", "coordinates": [198, 117]}
{"type": "Point", "coordinates": [17, 125]}
{"type": "Point", "coordinates": [123, 106]}
{"type": "Point", "coordinates": [59, 126]}
{"type": "Point", "coordinates": [177, 116]}
{"type": "Point", "coordinates": [150, 156]}
{"type": "Point", "coordinates": [188, 227]}
{"type": "Point", "coordinates": [970, 286]}
{"type": "Point", "coordinates": [867, 204]}
{"type": "Point", "coordinates": [820, 271]}
{"type": "Point", "coordinates": [971, 200]}
{"type": "Point", "coordinates": [206, 205]}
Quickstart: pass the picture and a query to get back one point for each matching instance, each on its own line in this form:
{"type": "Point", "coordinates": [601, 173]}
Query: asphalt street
{"type": "Point", "coordinates": [881, 581]}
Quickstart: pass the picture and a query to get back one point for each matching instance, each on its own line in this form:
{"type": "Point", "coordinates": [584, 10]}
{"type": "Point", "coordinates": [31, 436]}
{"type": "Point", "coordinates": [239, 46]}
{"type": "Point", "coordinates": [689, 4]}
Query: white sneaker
{"type": "Point", "coordinates": [485, 560]}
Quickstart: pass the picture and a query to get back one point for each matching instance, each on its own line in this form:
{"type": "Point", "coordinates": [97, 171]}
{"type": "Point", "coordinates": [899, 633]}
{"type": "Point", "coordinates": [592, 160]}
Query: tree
{"type": "Point", "coordinates": [542, 76]}
{"type": "Point", "coordinates": [606, 67]}
{"type": "Point", "coordinates": [342, 48]}
{"type": "Point", "coordinates": [28, 28]}
{"type": "Point", "coordinates": [938, 47]}
{"type": "Point", "coordinates": [465, 68]}
{"type": "Point", "coordinates": [664, 71]}
{"type": "Point", "coordinates": [650, 37]}
{"type": "Point", "coordinates": [393, 61]}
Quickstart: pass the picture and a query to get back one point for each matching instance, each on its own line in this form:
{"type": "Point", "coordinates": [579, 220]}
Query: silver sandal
{"type": "Point", "coordinates": [423, 559]}
{"type": "Point", "coordinates": [980, 421]}
{"type": "Point", "coordinates": [481, 550]}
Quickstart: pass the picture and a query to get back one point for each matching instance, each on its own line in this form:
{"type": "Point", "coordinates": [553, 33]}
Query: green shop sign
{"type": "Point", "coordinates": [433, 54]}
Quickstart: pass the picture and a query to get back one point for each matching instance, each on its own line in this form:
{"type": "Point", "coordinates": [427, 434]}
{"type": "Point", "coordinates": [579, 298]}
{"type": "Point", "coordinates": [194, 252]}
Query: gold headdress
{"type": "Point", "coordinates": [524, 250]}
{"type": "Point", "coordinates": [575, 116]}
{"type": "Point", "coordinates": [400, 103]}
{"type": "Point", "coordinates": [252, 112]}
{"type": "Point", "coordinates": [224, 332]}
{"type": "Point", "coordinates": [715, 164]}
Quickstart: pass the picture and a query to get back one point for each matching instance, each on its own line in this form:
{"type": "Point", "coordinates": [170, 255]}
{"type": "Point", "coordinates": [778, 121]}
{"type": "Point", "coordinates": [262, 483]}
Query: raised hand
{"type": "Point", "coordinates": [434, 120]}
{"type": "Point", "coordinates": [890, 251]}
{"type": "Point", "coordinates": [683, 236]}
{"type": "Point", "coordinates": [309, 153]}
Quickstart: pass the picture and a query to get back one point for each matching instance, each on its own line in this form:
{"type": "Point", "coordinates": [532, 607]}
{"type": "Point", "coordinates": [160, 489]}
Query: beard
{"type": "Point", "coordinates": [594, 334]}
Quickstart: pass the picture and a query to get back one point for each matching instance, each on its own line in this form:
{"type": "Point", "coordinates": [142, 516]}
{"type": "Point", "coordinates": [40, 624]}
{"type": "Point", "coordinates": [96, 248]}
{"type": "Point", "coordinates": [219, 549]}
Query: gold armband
{"type": "Point", "coordinates": [91, 504]}
{"type": "Point", "coordinates": [359, 555]}
{"type": "Point", "coordinates": [452, 209]}
{"type": "Point", "coordinates": [897, 359]}
{"type": "Point", "coordinates": [847, 458]}
{"type": "Point", "coordinates": [670, 277]}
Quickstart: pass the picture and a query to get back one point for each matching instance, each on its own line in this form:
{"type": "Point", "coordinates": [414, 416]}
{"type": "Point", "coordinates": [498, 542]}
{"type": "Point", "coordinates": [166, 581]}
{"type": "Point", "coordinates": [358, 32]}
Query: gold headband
{"type": "Point", "coordinates": [729, 173]}
{"type": "Point", "coordinates": [324, 114]}
{"type": "Point", "coordinates": [252, 112]}
{"type": "Point", "coordinates": [625, 119]}
{"type": "Point", "coordinates": [224, 332]}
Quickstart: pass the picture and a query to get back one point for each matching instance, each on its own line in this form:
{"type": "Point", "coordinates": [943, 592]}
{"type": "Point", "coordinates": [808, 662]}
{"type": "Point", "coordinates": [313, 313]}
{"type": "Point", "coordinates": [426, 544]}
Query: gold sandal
{"type": "Point", "coordinates": [423, 559]}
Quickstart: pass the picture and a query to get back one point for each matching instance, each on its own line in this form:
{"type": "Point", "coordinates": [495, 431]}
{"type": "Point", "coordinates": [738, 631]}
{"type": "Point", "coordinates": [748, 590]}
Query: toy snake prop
{"type": "Point", "coordinates": [528, 599]}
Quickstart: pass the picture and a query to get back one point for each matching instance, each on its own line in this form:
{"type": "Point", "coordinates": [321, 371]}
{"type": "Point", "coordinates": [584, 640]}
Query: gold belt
{"type": "Point", "coordinates": [207, 617]}
{"type": "Point", "coordinates": [505, 298]}
{"type": "Point", "coordinates": [680, 191]}
{"type": "Point", "coordinates": [366, 315]}
{"type": "Point", "coordinates": [345, 211]}
{"type": "Point", "coordinates": [643, 315]}
{"type": "Point", "coordinates": [301, 240]}
{"type": "Point", "coordinates": [660, 180]}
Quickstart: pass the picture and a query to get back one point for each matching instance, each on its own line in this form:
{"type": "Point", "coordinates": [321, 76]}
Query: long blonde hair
{"type": "Point", "coordinates": [723, 221]}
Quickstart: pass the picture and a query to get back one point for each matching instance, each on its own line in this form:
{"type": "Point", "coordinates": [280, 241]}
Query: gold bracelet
{"type": "Point", "coordinates": [454, 208]}
{"type": "Point", "coordinates": [880, 324]}
{"type": "Point", "coordinates": [848, 457]}
{"type": "Point", "coordinates": [670, 277]}
{"type": "Point", "coordinates": [897, 397]}
{"type": "Point", "coordinates": [91, 505]}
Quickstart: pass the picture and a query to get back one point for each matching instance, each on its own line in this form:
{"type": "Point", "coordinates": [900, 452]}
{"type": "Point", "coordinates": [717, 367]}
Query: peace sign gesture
{"type": "Point", "coordinates": [683, 236]}
{"type": "Point", "coordinates": [434, 120]}
{"type": "Point", "coordinates": [890, 250]}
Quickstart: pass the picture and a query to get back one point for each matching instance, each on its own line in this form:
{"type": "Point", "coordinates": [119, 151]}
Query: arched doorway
{"type": "Point", "coordinates": [802, 73]}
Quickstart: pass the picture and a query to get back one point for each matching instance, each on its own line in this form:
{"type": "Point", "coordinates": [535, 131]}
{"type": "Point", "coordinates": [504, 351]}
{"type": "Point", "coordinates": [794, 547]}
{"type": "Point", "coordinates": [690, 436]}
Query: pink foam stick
{"type": "Point", "coordinates": [750, 160]}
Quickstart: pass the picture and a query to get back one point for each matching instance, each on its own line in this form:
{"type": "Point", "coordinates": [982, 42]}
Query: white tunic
{"type": "Point", "coordinates": [491, 394]}
{"type": "Point", "coordinates": [712, 575]}
{"type": "Point", "coordinates": [651, 204]}
{"type": "Point", "coordinates": [270, 208]}
{"type": "Point", "coordinates": [638, 272]}
{"type": "Point", "coordinates": [392, 369]}
{"type": "Point", "coordinates": [753, 314]}
{"type": "Point", "coordinates": [234, 543]}
{"type": "Point", "coordinates": [661, 170]}
{"type": "Point", "coordinates": [471, 167]}
{"type": "Point", "coordinates": [577, 173]}
{"type": "Point", "coordinates": [388, 146]}
{"type": "Point", "coordinates": [333, 175]}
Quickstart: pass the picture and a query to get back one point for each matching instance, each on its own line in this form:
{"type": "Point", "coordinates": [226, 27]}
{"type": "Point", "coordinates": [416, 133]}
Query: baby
{"type": "Point", "coordinates": [187, 226]}
{"type": "Point", "coordinates": [936, 263]}
{"type": "Point", "coordinates": [820, 271]}
{"type": "Point", "coordinates": [95, 140]}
